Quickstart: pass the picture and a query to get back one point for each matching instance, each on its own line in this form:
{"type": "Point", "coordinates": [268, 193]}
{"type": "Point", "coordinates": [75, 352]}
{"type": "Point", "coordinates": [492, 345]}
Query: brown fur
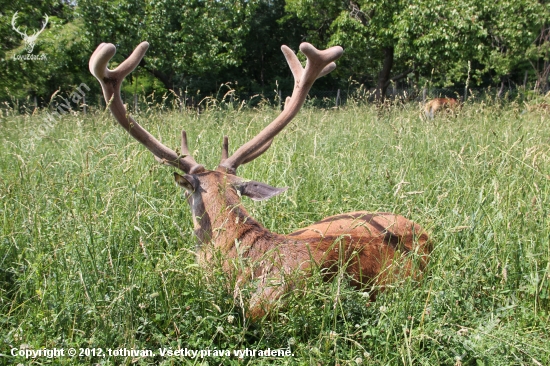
{"type": "Point", "coordinates": [439, 104]}
{"type": "Point", "coordinates": [540, 107]}
{"type": "Point", "coordinates": [366, 244]}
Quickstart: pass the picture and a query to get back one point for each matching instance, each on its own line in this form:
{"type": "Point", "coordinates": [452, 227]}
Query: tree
{"type": "Point", "coordinates": [540, 58]}
{"type": "Point", "coordinates": [492, 36]}
{"type": "Point", "coordinates": [190, 39]}
{"type": "Point", "coordinates": [435, 39]}
{"type": "Point", "coordinates": [60, 44]}
{"type": "Point", "coordinates": [365, 29]}
{"type": "Point", "coordinates": [263, 63]}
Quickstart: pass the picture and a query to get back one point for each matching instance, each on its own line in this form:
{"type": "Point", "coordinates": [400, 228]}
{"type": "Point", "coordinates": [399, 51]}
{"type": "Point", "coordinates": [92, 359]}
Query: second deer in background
{"type": "Point", "coordinates": [439, 104]}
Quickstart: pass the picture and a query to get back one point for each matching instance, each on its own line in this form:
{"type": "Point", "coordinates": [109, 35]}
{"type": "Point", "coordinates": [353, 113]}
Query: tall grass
{"type": "Point", "coordinates": [96, 245]}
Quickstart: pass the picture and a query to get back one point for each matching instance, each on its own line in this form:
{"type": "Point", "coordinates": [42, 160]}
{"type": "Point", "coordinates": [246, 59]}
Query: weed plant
{"type": "Point", "coordinates": [97, 246]}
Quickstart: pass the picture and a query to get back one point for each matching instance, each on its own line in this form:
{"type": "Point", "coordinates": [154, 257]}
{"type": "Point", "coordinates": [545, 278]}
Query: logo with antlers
{"type": "Point", "coordinates": [30, 41]}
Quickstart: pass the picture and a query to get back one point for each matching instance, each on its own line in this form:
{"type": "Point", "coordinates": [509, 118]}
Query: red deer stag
{"type": "Point", "coordinates": [363, 243]}
{"type": "Point", "coordinates": [439, 103]}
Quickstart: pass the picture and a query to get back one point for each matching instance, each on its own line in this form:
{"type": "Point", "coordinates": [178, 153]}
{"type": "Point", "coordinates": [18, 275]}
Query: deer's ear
{"type": "Point", "coordinates": [186, 181]}
{"type": "Point", "coordinates": [258, 191]}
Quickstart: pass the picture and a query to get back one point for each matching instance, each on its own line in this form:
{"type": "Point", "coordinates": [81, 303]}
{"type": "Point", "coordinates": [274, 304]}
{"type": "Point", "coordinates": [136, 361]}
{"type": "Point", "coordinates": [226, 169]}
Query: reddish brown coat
{"type": "Point", "coordinates": [438, 104]}
{"type": "Point", "coordinates": [372, 248]}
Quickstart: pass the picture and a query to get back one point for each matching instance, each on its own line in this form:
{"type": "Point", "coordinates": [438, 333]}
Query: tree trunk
{"type": "Point", "coordinates": [164, 79]}
{"type": "Point", "coordinates": [384, 75]}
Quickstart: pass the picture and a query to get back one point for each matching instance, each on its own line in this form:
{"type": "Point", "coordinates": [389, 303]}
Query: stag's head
{"type": "Point", "coordinates": [30, 41]}
{"type": "Point", "coordinates": [212, 190]}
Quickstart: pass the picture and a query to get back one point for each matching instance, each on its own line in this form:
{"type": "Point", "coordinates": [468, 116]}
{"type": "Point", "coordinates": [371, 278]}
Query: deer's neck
{"type": "Point", "coordinates": [227, 228]}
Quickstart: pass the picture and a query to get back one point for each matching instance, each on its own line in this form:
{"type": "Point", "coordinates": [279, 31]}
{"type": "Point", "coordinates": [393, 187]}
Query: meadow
{"type": "Point", "coordinates": [97, 246]}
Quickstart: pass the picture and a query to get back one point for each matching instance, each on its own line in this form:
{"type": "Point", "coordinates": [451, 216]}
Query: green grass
{"type": "Point", "coordinates": [96, 243]}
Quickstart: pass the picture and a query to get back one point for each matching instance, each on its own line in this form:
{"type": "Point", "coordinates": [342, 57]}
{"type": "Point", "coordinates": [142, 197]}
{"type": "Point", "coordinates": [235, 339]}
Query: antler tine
{"type": "Point", "coordinates": [225, 148]}
{"type": "Point", "coordinates": [184, 146]}
{"type": "Point", "coordinates": [111, 81]}
{"type": "Point", "coordinates": [260, 151]}
{"type": "Point", "coordinates": [319, 63]}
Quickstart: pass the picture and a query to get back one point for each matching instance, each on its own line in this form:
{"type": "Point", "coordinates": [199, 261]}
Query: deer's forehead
{"type": "Point", "coordinates": [211, 178]}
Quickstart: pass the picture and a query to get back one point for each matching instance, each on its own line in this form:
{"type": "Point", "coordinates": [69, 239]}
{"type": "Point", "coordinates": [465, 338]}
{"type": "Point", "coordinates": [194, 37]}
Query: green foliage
{"type": "Point", "coordinates": [96, 241]}
{"type": "Point", "coordinates": [445, 36]}
{"type": "Point", "coordinates": [63, 45]}
{"type": "Point", "coordinates": [436, 39]}
{"type": "Point", "coordinates": [263, 67]}
{"type": "Point", "coordinates": [189, 39]}
{"type": "Point", "coordinates": [199, 45]}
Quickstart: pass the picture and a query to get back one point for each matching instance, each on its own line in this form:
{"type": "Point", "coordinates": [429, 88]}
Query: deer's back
{"type": "Point", "coordinates": [365, 243]}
